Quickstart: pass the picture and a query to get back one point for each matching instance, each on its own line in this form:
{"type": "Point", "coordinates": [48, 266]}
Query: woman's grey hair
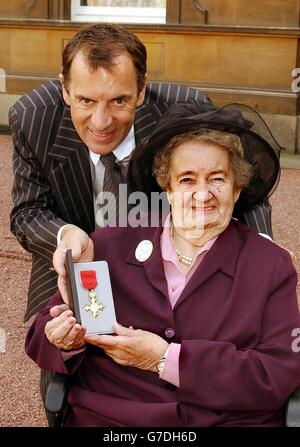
{"type": "Point", "coordinates": [241, 169]}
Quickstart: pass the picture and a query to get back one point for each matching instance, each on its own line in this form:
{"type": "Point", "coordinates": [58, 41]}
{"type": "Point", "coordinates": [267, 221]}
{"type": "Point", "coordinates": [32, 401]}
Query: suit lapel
{"type": "Point", "coordinates": [146, 118]}
{"type": "Point", "coordinates": [67, 141]}
{"type": "Point", "coordinates": [221, 257]}
{"type": "Point", "coordinates": [70, 174]}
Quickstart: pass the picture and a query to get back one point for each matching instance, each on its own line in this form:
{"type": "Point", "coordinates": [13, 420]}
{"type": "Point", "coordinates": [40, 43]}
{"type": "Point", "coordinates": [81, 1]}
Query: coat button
{"type": "Point", "coordinates": [169, 332]}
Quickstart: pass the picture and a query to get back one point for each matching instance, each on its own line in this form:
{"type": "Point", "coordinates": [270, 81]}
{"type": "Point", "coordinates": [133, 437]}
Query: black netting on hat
{"type": "Point", "coordinates": [262, 152]}
{"type": "Point", "coordinates": [266, 172]}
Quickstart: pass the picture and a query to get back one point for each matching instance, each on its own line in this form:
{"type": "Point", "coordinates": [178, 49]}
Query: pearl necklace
{"type": "Point", "coordinates": [181, 257]}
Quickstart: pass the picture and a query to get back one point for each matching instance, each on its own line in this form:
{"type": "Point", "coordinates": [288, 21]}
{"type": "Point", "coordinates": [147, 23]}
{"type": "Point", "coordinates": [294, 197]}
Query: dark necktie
{"type": "Point", "coordinates": [113, 176]}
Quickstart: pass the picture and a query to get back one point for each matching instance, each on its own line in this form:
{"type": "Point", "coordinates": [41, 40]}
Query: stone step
{"type": "Point", "coordinates": [289, 161]}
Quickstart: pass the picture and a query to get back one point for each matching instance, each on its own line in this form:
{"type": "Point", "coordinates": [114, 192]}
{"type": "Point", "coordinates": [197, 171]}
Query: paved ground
{"type": "Point", "coordinates": [19, 377]}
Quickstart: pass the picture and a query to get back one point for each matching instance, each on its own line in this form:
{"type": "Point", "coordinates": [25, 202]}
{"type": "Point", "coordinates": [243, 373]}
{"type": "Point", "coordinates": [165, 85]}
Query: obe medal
{"type": "Point", "coordinates": [89, 282]}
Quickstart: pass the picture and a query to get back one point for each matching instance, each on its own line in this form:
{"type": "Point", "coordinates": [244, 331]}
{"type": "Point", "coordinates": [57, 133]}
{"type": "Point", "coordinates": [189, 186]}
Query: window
{"type": "Point", "coordinates": [122, 11]}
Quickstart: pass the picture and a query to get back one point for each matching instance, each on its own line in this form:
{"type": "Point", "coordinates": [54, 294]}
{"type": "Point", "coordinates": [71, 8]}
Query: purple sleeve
{"type": "Point", "coordinates": [41, 351]}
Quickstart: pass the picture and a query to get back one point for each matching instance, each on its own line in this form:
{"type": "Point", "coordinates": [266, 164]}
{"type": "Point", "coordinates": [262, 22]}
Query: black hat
{"type": "Point", "coordinates": [261, 149]}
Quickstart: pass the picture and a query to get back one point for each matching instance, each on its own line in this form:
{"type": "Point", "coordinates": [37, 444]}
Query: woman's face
{"type": "Point", "coordinates": [201, 190]}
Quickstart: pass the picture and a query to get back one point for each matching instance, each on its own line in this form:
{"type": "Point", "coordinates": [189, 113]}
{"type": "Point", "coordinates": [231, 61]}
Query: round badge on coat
{"type": "Point", "coordinates": [144, 250]}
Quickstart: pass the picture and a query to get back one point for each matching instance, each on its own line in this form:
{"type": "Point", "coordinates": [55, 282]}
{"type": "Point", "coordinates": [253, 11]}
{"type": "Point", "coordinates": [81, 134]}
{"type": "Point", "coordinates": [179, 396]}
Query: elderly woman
{"type": "Point", "coordinates": [205, 309]}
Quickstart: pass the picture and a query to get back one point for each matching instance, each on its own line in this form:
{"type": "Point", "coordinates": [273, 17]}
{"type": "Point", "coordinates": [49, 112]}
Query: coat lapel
{"type": "Point", "coordinates": [70, 175]}
{"type": "Point", "coordinates": [221, 257]}
{"type": "Point", "coordinates": [153, 267]}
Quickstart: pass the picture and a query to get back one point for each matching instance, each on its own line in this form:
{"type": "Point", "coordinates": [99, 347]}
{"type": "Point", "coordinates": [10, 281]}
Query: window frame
{"type": "Point", "coordinates": [117, 14]}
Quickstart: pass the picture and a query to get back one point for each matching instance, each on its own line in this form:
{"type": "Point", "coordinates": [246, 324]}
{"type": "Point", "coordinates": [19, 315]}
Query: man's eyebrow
{"type": "Point", "coordinates": [122, 96]}
{"type": "Point", "coordinates": [83, 97]}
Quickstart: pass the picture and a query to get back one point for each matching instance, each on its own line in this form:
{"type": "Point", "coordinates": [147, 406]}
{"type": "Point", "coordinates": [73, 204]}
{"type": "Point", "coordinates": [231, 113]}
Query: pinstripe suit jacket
{"type": "Point", "coordinates": [52, 180]}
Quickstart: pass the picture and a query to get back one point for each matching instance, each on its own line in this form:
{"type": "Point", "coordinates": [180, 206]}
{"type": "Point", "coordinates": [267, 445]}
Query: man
{"type": "Point", "coordinates": [60, 130]}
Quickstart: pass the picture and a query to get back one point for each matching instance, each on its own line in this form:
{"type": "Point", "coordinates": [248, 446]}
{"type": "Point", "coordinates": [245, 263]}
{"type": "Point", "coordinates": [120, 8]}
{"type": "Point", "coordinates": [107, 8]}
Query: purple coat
{"type": "Point", "coordinates": [234, 321]}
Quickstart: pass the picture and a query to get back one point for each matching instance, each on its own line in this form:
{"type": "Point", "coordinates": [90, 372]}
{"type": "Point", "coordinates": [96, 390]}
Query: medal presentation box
{"type": "Point", "coordinates": [90, 295]}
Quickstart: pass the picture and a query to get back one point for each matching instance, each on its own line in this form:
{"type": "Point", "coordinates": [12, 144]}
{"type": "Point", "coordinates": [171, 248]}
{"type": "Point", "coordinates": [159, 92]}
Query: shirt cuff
{"type": "Point", "coordinates": [170, 373]}
{"type": "Point", "coordinates": [58, 238]}
{"type": "Point", "coordinates": [266, 236]}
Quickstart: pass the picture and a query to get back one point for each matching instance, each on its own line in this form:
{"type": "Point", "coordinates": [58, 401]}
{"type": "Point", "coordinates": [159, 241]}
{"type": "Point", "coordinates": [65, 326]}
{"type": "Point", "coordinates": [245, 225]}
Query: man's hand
{"type": "Point", "coordinates": [63, 331]}
{"type": "Point", "coordinates": [130, 347]}
{"type": "Point", "coordinates": [82, 251]}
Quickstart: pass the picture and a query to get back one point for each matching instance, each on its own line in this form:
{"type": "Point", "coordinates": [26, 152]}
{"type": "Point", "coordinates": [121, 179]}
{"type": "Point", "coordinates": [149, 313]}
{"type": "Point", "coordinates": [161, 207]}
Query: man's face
{"type": "Point", "coordinates": [103, 102]}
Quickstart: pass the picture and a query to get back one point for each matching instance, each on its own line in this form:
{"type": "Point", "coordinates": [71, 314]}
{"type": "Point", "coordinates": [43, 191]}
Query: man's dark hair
{"type": "Point", "coordinates": [101, 44]}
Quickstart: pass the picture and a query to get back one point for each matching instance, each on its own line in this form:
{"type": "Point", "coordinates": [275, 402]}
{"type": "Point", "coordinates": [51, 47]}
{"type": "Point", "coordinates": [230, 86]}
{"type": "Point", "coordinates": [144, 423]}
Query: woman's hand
{"type": "Point", "coordinates": [131, 347]}
{"type": "Point", "coordinates": [63, 331]}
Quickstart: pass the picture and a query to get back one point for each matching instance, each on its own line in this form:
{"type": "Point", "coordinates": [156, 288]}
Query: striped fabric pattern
{"type": "Point", "coordinates": [52, 179]}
